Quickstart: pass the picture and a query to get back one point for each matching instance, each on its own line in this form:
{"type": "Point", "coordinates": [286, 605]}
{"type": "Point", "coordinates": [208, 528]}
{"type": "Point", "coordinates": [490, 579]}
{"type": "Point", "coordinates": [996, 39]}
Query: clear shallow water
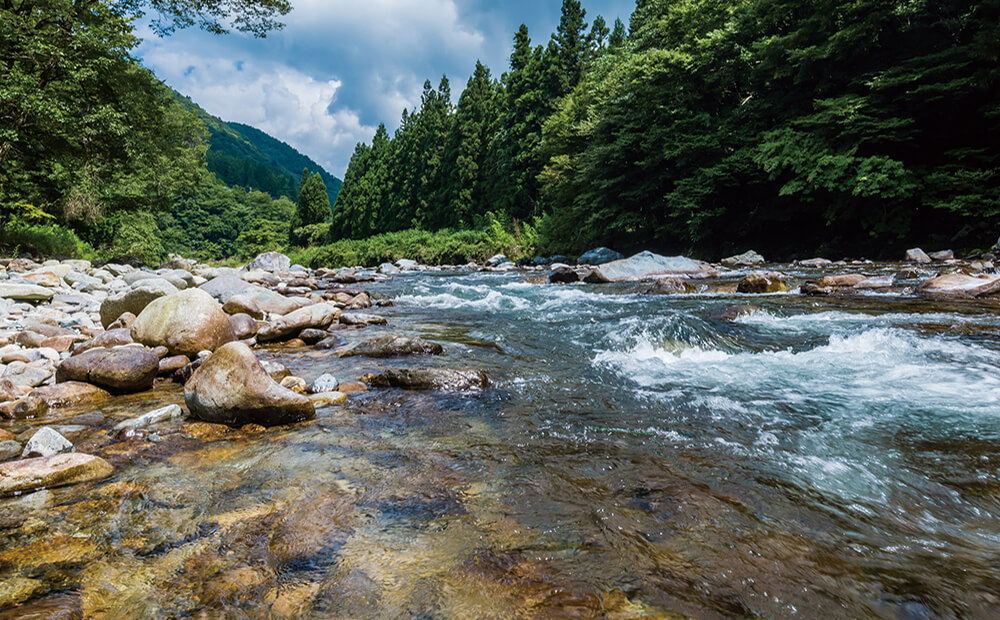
{"type": "Point", "coordinates": [636, 456]}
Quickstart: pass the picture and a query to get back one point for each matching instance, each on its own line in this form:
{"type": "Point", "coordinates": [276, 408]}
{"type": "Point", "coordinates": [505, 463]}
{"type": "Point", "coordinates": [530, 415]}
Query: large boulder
{"type": "Point", "coordinates": [227, 287]}
{"type": "Point", "coordinates": [233, 388]}
{"type": "Point", "coordinates": [646, 266]}
{"type": "Point", "coordinates": [28, 475]}
{"type": "Point", "coordinates": [760, 283]}
{"type": "Point", "coordinates": [959, 286]}
{"type": "Point", "coordinates": [270, 261]}
{"type": "Point", "coordinates": [135, 299]}
{"type": "Point", "coordinates": [25, 292]}
{"type": "Point", "coordinates": [186, 323]}
{"type": "Point", "coordinates": [432, 379]}
{"type": "Point", "coordinates": [599, 256]}
{"type": "Point", "coordinates": [916, 255]}
{"type": "Point", "coordinates": [289, 325]}
{"type": "Point", "coordinates": [746, 259]}
{"type": "Point", "coordinates": [125, 369]}
{"type": "Point", "coordinates": [390, 346]}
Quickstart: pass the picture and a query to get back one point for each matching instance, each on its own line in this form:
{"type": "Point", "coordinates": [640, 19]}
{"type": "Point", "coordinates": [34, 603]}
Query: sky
{"type": "Point", "coordinates": [340, 67]}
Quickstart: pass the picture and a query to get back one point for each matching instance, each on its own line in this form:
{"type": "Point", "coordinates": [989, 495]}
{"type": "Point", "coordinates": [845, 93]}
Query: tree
{"type": "Point", "coordinates": [311, 208]}
{"type": "Point", "coordinates": [256, 17]}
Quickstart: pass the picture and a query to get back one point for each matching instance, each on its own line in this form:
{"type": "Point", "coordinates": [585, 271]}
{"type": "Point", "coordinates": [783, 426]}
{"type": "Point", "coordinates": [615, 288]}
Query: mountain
{"type": "Point", "coordinates": [246, 156]}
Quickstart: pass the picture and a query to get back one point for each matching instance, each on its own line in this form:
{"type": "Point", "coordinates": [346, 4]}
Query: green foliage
{"type": "Point", "coordinates": [311, 210]}
{"type": "Point", "coordinates": [133, 234]}
{"type": "Point", "coordinates": [42, 239]}
{"type": "Point", "coordinates": [256, 17]}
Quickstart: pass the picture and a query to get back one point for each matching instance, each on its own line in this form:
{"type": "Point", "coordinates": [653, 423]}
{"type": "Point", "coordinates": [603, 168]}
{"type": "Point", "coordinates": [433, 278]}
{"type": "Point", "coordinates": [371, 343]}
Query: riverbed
{"type": "Point", "coordinates": [702, 455]}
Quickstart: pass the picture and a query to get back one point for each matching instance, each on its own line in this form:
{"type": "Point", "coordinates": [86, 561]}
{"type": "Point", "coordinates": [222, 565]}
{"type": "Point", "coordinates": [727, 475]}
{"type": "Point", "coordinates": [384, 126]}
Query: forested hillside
{"type": "Point", "coordinates": [856, 127]}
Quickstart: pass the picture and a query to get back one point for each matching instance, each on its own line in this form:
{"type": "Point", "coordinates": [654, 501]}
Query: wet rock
{"type": "Point", "coordinates": [959, 286]}
{"type": "Point", "coordinates": [8, 391]}
{"type": "Point", "coordinates": [244, 326]}
{"type": "Point", "coordinates": [312, 336]}
{"type": "Point", "coordinates": [761, 283]}
{"type": "Point", "coordinates": [69, 393]}
{"type": "Point", "coordinates": [875, 283]}
{"type": "Point", "coordinates": [324, 383]}
{"type": "Point", "coordinates": [276, 370]}
{"type": "Point", "coordinates": [134, 300]}
{"type": "Point", "coordinates": [16, 590]}
{"type": "Point", "coordinates": [51, 471]}
{"type": "Point", "coordinates": [496, 260]}
{"type": "Point", "coordinates": [272, 262]}
{"type": "Point", "coordinates": [388, 269]}
{"type": "Point", "coordinates": [295, 384]}
{"type": "Point", "coordinates": [123, 369]}
{"type": "Point", "coordinates": [942, 256]}
{"type": "Point", "coordinates": [916, 255]}
{"type": "Point", "coordinates": [646, 265]}
{"type": "Point", "coordinates": [232, 387]}
{"type": "Point", "coordinates": [163, 414]}
{"type": "Point", "coordinates": [243, 304]}
{"type": "Point", "coordinates": [330, 342]}
{"type": "Point", "coordinates": [352, 387]}
{"type": "Point", "coordinates": [186, 323]}
{"type": "Point", "coordinates": [207, 431]}
{"type": "Point", "coordinates": [289, 325]}
{"type": "Point", "coordinates": [670, 286]}
{"type": "Point", "coordinates": [9, 449]}
{"type": "Point", "coordinates": [358, 318]}
{"type": "Point", "coordinates": [46, 442]}
{"type": "Point", "coordinates": [563, 275]}
{"type": "Point", "coordinates": [112, 338]}
{"type": "Point", "coordinates": [749, 258]}
{"type": "Point", "coordinates": [599, 256]}
{"type": "Point", "coordinates": [814, 262]}
{"type": "Point", "coordinates": [25, 292]}
{"type": "Point", "coordinates": [406, 264]}
{"type": "Point", "coordinates": [432, 379]}
{"type": "Point", "coordinates": [390, 346]}
{"type": "Point", "coordinates": [170, 365]}
{"type": "Point", "coordinates": [51, 552]}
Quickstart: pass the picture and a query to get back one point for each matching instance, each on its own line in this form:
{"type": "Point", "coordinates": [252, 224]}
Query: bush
{"type": "Point", "coordinates": [44, 240]}
{"type": "Point", "coordinates": [133, 235]}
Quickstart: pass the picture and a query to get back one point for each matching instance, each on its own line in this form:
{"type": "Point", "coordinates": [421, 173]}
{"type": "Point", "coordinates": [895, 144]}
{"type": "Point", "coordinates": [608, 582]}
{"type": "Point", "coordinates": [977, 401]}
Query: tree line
{"type": "Point", "coordinates": [708, 125]}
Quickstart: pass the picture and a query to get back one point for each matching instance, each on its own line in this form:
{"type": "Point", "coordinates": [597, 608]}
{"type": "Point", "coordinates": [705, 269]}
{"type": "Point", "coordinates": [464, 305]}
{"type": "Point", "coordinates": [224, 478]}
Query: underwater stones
{"type": "Point", "coordinates": [647, 265]}
{"type": "Point", "coordinates": [289, 325]}
{"type": "Point", "coordinates": [68, 393]}
{"type": "Point", "coordinates": [186, 323]}
{"type": "Point", "coordinates": [746, 259]}
{"type": "Point", "coordinates": [760, 283]}
{"type": "Point", "coordinates": [916, 255]}
{"type": "Point", "coordinates": [432, 379]}
{"type": "Point", "coordinates": [51, 471]}
{"type": "Point", "coordinates": [125, 369]}
{"type": "Point", "coordinates": [273, 262]}
{"type": "Point", "coordinates": [959, 286]}
{"type": "Point", "coordinates": [16, 590]}
{"type": "Point", "coordinates": [326, 399]}
{"type": "Point", "coordinates": [390, 346]}
{"type": "Point", "coordinates": [232, 387]}
{"type": "Point", "coordinates": [599, 256]}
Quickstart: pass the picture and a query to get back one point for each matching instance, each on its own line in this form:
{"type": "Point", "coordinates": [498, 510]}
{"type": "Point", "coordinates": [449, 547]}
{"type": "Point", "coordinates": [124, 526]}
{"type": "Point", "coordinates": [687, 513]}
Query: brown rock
{"type": "Point", "coordinates": [206, 431]}
{"type": "Point", "coordinates": [959, 286]}
{"type": "Point", "coordinates": [352, 387]}
{"type": "Point", "coordinates": [432, 379]}
{"type": "Point", "coordinates": [123, 369]}
{"type": "Point", "coordinates": [60, 344]}
{"type": "Point", "coordinates": [8, 391]}
{"type": "Point", "coordinates": [170, 365]}
{"type": "Point", "coordinates": [51, 471]}
{"type": "Point", "coordinates": [243, 304]}
{"type": "Point", "coordinates": [30, 340]}
{"type": "Point", "coordinates": [847, 279]}
{"type": "Point", "coordinates": [295, 384]}
{"type": "Point", "coordinates": [112, 338]}
{"type": "Point", "coordinates": [124, 321]}
{"type": "Point", "coordinates": [244, 326]}
{"type": "Point", "coordinates": [760, 283]}
{"type": "Point", "coordinates": [233, 388]}
{"type": "Point", "coordinates": [390, 346]}
{"type": "Point", "coordinates": [670, 286]}
{"type": "Point", "coordinates": [186, 323]}
{"type": "Point", "coordinates": [289, 325]}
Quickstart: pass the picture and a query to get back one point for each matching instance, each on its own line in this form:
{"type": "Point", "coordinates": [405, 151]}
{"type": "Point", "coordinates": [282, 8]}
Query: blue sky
{"type": "Point", "coordinates": [340, 67]}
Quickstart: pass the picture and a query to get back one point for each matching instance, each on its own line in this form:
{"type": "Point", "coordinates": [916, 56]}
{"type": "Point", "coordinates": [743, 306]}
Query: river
{"type": "Point", "coordinates": [703, 456]}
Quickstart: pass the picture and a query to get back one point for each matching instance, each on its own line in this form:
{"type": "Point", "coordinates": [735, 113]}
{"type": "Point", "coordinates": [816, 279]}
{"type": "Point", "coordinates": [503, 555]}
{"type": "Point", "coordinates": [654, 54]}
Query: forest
{"type": "Point", "coordinates": [701, 126]}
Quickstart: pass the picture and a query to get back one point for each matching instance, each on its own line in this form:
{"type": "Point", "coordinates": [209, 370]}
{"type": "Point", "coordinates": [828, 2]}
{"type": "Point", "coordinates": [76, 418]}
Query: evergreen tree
{"type": "Point", "coordinates": [311, 208]}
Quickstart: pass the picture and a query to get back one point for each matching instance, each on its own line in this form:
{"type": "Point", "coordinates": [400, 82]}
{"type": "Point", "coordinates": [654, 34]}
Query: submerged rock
{"type": "Point", "coordinates": [646, 265]}
{"type": "Point", "coordinates": [51, 471]}
{"type": "Point", "coordinates": [186, 323]}
{"type": "Point", "coordinates": [432, 379]}
{"type": "Point", "coordinates": [959, 285]}
{"type": "Point", "coordinates": [232, 387]}
{"type": "Point", "coordinates": [123, 369]}
{"type": "Point", "coordinates": [390, 346]}
{"type": "Point", "coordinates": [599, 256]}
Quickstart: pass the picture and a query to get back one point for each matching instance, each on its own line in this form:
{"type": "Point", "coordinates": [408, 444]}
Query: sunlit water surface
{"type": "Point", "coordinates": [636, 455]}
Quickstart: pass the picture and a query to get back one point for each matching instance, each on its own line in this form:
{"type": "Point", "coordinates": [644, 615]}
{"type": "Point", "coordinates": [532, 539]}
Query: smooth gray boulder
{"type": "Point", "coordinates": [232, 387]}
{"type": "Point", "coordinates": [25, 292]}
{"type": "Point", "coordinates": [599, 256]}
{"type": "Point", "coordinates": [646, 266]}
{"type": "Point", "coordinates": [746, 259]}
{"type": "Point", "coordinates": [406, 264]}
{"type": "Point", "coordinates": [135, 299]}
{"type": "Point", "coordinates": [186, 322]}
{"type": "Point", "coordinates": [360, 318]}
{"type": "Point", "coordinates": [274, 262]}
{"type": "Point", "coordinates": [46, 442]}
{"type": "Point", "coordinates": [289, 325]}
{"type": "Point", "coordinates": [226, 287]}
{"type": "Point", "coordinates": [916, 255]}
{"type": "Point", "coordinates": [942, 256]}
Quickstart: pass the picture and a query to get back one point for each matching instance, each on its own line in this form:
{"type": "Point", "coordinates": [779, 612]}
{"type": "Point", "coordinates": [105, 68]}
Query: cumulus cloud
{"type": "Point", "coordinates": [340, 67]}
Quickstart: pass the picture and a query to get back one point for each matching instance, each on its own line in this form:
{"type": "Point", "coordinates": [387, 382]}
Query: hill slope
{"type": "Point", "coordinates": [246, 156]}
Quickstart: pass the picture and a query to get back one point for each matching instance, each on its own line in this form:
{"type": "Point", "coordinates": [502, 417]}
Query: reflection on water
{"type": "Point", "coordinates": [637, 456]}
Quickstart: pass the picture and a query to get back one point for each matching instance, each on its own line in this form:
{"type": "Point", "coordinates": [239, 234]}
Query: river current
{"type": "Point", "coordinates": [665, 456]}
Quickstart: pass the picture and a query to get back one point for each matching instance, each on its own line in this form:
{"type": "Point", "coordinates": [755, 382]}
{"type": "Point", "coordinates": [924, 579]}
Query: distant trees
{"type": "Point", "coordinates": [312, 210]}
{"type": "Point", "coordinates": [855, 124]}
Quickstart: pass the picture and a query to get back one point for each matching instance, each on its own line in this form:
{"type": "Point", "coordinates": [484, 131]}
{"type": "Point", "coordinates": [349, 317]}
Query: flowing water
{"type": "Point", "coordinates": [635, 456]}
